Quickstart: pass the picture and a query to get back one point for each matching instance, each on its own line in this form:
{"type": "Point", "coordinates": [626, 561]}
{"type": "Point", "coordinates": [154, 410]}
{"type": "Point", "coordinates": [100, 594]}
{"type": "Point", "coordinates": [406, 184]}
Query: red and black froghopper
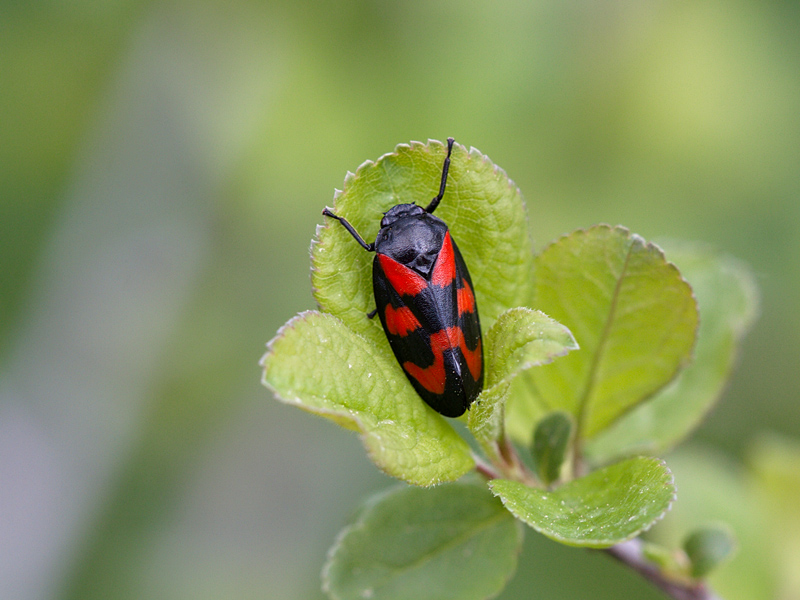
{"type": "Point", "coordinates": [426, 303]}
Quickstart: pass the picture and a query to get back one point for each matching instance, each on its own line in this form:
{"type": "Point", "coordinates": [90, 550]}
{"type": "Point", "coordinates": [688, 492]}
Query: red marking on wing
{"type": "Point", "coordinates": [400, 321]}
{"type": "Point", "coordinates": [433, 378]}
{"type": "Point", "coordinates": [465, 299]}
{"type": "Point", "coordinates": [444, 271]}
{"type": "Point", "coordinates": [474, 359]}
{"type": "Point", "coordinates": [401, 278]}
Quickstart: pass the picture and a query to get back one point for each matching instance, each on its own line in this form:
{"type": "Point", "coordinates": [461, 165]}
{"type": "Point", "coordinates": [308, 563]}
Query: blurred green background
{"type": "Point", "coordinates": [163, 166]}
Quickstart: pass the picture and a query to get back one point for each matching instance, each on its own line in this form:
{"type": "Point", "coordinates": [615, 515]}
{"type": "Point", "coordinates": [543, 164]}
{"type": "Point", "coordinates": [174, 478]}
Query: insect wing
{"type": "Point", "coordinates": [432, 326]}
{"type": "Point", "coordinates": [398, 292]}
{"type": "Point", "coordinates": [470, 328]}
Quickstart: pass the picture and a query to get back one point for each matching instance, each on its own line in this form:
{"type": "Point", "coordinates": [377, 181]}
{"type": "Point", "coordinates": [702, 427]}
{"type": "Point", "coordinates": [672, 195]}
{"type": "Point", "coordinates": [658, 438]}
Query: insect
{"type": "Point", "coordinates": [425, 300]}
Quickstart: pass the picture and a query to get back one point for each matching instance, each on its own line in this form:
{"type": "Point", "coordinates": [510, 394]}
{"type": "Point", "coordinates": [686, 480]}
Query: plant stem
{"type": "Point", "coordinates": [486, 470]}
{"type": "Point", "coordinates": [630, 553]}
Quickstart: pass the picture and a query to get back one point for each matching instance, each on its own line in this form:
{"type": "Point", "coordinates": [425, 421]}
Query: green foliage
{"type": "Point", "coordinates": [586, 345]}
{"type": "Point", "coordinates": [728, 301]}
{"type": "Point", "coordinates": [633, 315]}
{"type": "Point", "coordinates": [549, 449]}
{"type": "Point", "coordinates": [520, 339]}
{"type": "Point", "coordinates": [483, 208]}
{"type": "Point", "coordinates": [453, 541]}
{"type": "Point", "coordinates": [707, 548]}
{"type": "Point", "coordinates": [607, 507]}
{"type": "Point", "coordinates": [309, 364]}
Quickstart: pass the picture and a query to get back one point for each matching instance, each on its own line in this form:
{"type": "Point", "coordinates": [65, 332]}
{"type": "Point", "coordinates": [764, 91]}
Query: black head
{"type": "Point", "coordinates": [411, 236]}
{"type": "Point", "coordinates": [400, 211]}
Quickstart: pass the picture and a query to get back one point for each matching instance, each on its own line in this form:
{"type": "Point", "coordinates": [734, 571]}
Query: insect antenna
{"type": "Point", "coordinates": [435, 202]}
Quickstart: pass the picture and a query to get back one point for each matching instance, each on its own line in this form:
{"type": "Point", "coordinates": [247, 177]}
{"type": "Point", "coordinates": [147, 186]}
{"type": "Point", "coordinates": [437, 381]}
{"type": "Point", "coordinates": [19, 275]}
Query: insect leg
{"type": "Point", "coordinates": [351, 230]}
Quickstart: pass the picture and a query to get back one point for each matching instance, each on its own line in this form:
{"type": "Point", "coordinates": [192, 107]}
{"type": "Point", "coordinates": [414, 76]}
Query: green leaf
{"type": "Point", "coordinates": [633, 315]}
{"type": "Point", "coordinates": [450, 542]}
{"type": "Point", "coordinates": [482, 207]}
{"type": "Point", "coordinates": [550, 442]}
{"type": "Point", "coordinates": [320, 365]}
{"type": "Point", "coordinates": [728, 301]}
{"type": "Point", "coordinates": [709, 547]}
{"type": "Point", "coordinates": [607, 507]}
{"type": "Point", "coordinates": [520, 339]}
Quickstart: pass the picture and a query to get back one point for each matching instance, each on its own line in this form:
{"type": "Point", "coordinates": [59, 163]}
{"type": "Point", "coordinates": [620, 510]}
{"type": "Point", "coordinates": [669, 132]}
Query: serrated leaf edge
{"type": "Point", "coordinates": [608, 543]}
{"type": "Point", "coordinates": [633, 237]}
{"type": "Point", "coordinates": [346, 418]}
{"type": "Point", "coordinates": [524, 366]}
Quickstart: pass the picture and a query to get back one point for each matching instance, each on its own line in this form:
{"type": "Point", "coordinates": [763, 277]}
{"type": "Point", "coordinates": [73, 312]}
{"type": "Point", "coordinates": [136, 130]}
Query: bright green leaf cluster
{"type": "Point", "coordinates": [354, 378]}
{"type": "Point", "coordinates": [587, 344]}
